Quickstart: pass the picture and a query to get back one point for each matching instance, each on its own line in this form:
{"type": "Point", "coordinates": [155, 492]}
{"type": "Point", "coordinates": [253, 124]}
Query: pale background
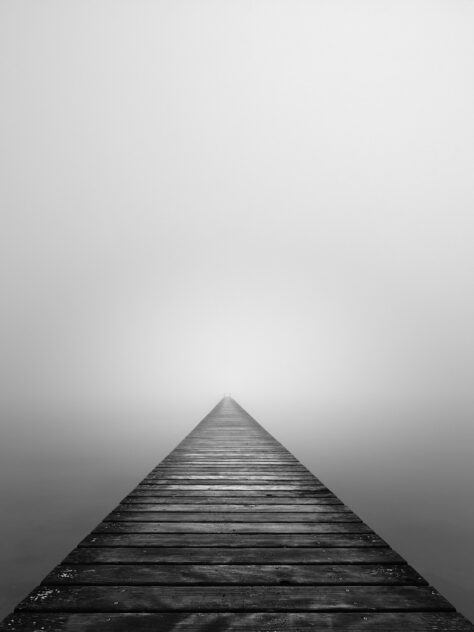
{"type": "Point", "coordinates": [272, 198]}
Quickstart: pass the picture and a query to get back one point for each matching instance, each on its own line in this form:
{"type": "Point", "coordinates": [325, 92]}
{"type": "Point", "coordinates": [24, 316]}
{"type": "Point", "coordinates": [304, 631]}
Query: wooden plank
{"type": "Point", "coordinates": [236, 475]}
{"type": "Point", "coordinates": [149, 490]}
{"type": "Point", "coordinates": [238, 622]}
{"type": "Point", "coordinates": [250, 508]}
{"type": "Point", "coordinates": [275, 474]}
{"type": "Point", "coordinates": [228, 573]}
{"type": "Point", "coordinates": [210, 555]}
{"type": "Point", "coordinates": [260, 503]}
{"type": "Point", "coordinates": [222, 478]}
{"type": "Point", "coordinates": [249, 474]}
{"type": "Point", "coordinates": [287, 487]}
{"type": "Point", "coordinates": [286, 540]}
{"type": "Point", "coordinates": [241, 598]}
{"type": "Point", "coordinates": [289, 470]}
{"type": "Point", "coordinates": [262, 451]}
{"type": "Point", "coordinates": [231, 457]}
{"type": "Point", "coordinates": [247, 462]}
{"type": "Point", "coordinates": [231, 516]}
{"type": "Point", "coordinates": [245, 481]}
{"type": "Point", "coordinates": [231, 453]}
{"type": "Point", "coordinates": [231, 527]}
{"type": "Point", "coordinates": [234, 450]}
{"type": "Point", "coordinates": [223, 464]}
{"type": "Point", "coordinates": [260, 457]}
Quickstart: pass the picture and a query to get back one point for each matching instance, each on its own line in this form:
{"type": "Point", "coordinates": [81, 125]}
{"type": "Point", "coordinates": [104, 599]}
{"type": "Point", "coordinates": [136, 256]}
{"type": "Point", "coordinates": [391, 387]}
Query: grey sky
{"type": "Point", "coordinates": [268, 198]}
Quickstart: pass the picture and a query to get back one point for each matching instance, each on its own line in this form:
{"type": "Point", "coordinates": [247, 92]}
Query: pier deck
{"type": "Point", "coordinates": [231, 532]}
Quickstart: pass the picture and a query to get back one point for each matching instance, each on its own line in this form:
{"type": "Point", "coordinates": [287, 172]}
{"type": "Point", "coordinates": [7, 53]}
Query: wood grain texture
{"type": "Point", "coordinates": [183, 508]}
{"type": "Point", "coordinates": [227, 555]}
{"type": "Point", "coordinates": [238, 622]}
{"type": "Point", "coordinates": [231, 532]}
{"type": "Point", "coordinates": [243, 598]}
{"type": "Point", "coordinates": [153, 490]}
{"type": "Point", "coordinates": [236, 540]}
{"type": "Point", "coordinates": [231, 516]}
{"type": "Point", "coordinates": [231, 527]}
{"type": "Point", "coordinates": [208, 490]}
{"type": "Point", "coordinates": [224, 503]}
{"type": "Point", "coordinates": [227, 573]}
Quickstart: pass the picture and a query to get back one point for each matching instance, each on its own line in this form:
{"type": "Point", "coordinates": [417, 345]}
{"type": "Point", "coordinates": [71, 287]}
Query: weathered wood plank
{"type": "Point", "coordinates": [285, 473]}
{"type": "Point", "coordinates": [227, 573]}
{"type": "Point", "coordinates": [229, 479]}
{"type": "Point", "coordinates": [265, 451]}
{"type": "Point", "coordinates": [231, 527]}
{"type": "Point", "coordinates": [206, 466]}
{"type": "Point", "coordinates": [149, 490]}
{"type": "Point", "coordinates": [231, 453]}
{"type": "Point", "coordinates": [169, 483]}
{"type": "Point", "coordinates": [296, 468]}
{"type": "Point", "coordinates": [228, 503]}
{"type": "Point", "coordinates": [261, 457]}
{"type": "Point", "coordinates": [210, 555]}
{"type": "Point", "coordinates": [238, 622]}
{"type": "Point", "coordinates": [209, 487]}
{"type": "Point", "coordinates": [237, 474]}
{"type": "Point", "coordinates": [234, 508]}
{"type": "Point", "coordinates": [241, 598]}
{"type": "Point", "coordinates": [229, 516]}
{"type": "Point", "coordinates": [228, 468]}
{"type": "Point", "coordinates": [225, 462]}
{"type": "Point", "coordinates": [288, 488]}
{"type": "Point", "coordinates": [284, 540]}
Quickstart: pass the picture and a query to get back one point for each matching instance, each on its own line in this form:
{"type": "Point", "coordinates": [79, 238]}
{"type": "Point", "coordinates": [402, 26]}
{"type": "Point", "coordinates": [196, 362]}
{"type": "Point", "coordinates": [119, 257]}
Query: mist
{"type": "Point", "coordinates": [268, 199]}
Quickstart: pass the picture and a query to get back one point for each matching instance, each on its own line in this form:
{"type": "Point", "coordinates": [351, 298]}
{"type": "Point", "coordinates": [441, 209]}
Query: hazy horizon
{"type": "Point", "coordinates": [271, 199]}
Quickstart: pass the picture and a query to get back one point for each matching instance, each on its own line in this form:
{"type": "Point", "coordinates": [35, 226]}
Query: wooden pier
{"type": "Point", "coordinates": [231, 532]}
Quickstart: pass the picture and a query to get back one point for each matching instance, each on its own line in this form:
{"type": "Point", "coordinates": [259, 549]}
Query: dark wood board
{"type": "Point", "coordinates": [241, 598]}
{"type": "Point", "coordinates": [273, 540]}
{"type": "Point", "coordinates": [130, 506]}
{"type": "Point", "coordinates": [238, 622]}
{"type": "Point", "coordinates": [214, 555]}
{"type": "Point", "coordinates": [224, 503]}
{"type": "Point", "coordinates": [149, 490]}
{"type": "Point", "coordinates": [240, 574]}
{"type": "Point", "coordinates": [232, 516]}
{"type": "Point", "coordinates": [231, 527]}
